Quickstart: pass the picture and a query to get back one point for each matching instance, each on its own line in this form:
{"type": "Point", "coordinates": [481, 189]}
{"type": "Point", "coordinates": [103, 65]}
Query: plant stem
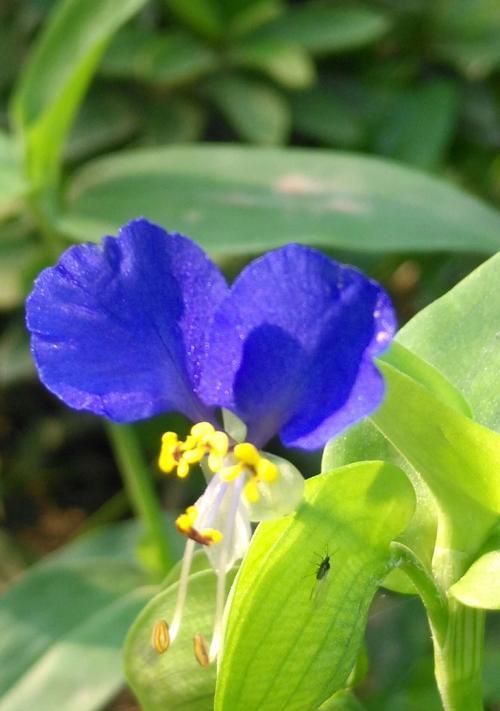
{"type": "Point", "coordinates": [137, 480]}
{"type": "Point", "coordinates": [458, 660]}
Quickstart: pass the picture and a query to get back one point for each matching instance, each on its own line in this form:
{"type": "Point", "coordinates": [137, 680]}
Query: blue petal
{"type": "Point", "coordinates": [120, 330]}
{"type": "Point", "coordinates": [291, 347]}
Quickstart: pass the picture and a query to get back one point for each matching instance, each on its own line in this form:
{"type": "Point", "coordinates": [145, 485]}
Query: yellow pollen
{"type": "Point", "coordinates": [185, 524]}
{"type": "Point", "coordinates": [203, 439]}
{"type": "Point", "coordinates": [160, 638]}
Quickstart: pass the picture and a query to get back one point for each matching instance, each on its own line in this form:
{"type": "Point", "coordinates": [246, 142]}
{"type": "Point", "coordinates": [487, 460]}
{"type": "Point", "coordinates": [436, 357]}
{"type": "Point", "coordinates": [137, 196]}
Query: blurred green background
{"type": "Point", "coordinates": [413, 81]}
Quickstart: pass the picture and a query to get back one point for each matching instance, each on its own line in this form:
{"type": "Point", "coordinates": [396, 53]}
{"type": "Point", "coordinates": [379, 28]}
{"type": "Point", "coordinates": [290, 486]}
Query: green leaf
{"type": "Point", "coordinates": [325, 28]}
{"type": "Point", "coordinates": [287, 64]}
{"type": "Point", "coordinates": [83, 670]}
{"type": "Point", "coordinates": [237, 200]}
{"type": "Point", "coordinates": [12, 183]}
{"type": "Point", "coordinates": [480, 586]}
{"type": "Point", "coordinates": [342, 701]}
{"type": "Point", "coordinates": [173, 680]}
{"type": "Point", "coordinates": [327, 117]}
{"type": "Point", "coordinates": [256, 110]}
{"type": "Point", "coordinates": [420, 124]}
{"type": "Point", "coordinates": [64, 623]}
{"type": "Point", "coordinates": [458, 334]}
{"type": "Point", "coordinates": [456, 458]}
{"type": "Point", "coordinates": [201, 15]}
{"type": "Point", "coordinates": [291, 639]}
{"type": "Point", "coordinates": [104, 121]}
{"type": "Point", "coordinates": [57, 75]}
{"type": "Point", "coordinates": [466, 33]}
{"type": "Point", "coordinates": [169, 59]}
{"type": "Point", "coordinates": [55, 617]}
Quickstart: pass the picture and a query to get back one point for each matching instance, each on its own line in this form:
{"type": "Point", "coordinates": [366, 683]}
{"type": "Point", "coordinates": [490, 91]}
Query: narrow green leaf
{"type": "Point", "coordinates": [458, 334]}
{"type": "Point", "coordinates": [12, 183]}
{"type": "Point", "coordinates": [57, 75]}
{"type": "Point", "coordinates": [326, 28]}
{"type": "Point", "coordinates": [291, 639]}
{"type": "Point", "coordinates": [256, 110]}
{"type": "Point", "coordinates": [173, 680]}
{"type": "Point", "coordinates": [237, 200]}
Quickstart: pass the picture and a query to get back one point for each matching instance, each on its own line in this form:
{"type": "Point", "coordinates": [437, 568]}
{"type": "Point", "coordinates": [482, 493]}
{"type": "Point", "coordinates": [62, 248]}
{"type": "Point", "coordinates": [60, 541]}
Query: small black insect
{"type": "Point", "coordinates": [323, 568]}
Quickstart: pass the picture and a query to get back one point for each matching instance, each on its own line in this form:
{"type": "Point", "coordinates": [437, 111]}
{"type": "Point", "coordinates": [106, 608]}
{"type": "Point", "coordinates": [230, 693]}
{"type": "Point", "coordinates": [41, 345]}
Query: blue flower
{"type": "Point", "coordinates": [146, 324]}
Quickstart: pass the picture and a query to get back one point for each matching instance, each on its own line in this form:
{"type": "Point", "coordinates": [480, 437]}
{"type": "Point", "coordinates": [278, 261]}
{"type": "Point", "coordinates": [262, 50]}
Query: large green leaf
{"type": "Point", "coordinates": [291, 638]}
{"type": "Point", "coordinates": [57, 75]}
{"type": "Point", "coordinates": [458, 334]}
{"type": "Point", "coordinates": [239, 199]}
{"type": "Point", "coordinates": [64, 623]}
{"type": "Point", "coordinates": [173, 680]}
{"type": "Point", "coordinates": [83, 669]}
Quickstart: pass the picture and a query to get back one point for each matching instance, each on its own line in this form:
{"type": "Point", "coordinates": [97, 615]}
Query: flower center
{"type": "Point", "coordinates": [234, 472]}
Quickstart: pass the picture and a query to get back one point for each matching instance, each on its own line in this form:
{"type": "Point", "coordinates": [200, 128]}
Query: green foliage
{"type": "Point", "coordinates": [296, 637]}
{"type": "Point", "coordinates": [53, 83]}
{"type": "Point", "coordinates": [419, 85]}
{"type": "Point", "coordinates": [269, 197]}
{"type": "Point", "coordinates": [65, 621]}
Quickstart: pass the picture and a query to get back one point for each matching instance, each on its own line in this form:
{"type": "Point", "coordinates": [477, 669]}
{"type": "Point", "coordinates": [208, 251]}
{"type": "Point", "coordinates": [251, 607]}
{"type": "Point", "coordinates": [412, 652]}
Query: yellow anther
{"type": "Point", "coordinates": [167, 460]}
{"type": "Point", "coordinates": [247, 454]}
{"type": "Point", "coordinates": [160, 638]}
{"type": "Point", "coordinates": [202, 429]}
{"type": "Point", "coordinates": [251, 491]}
{"type": "Point", "coordinates": [201, 650]}
{"type": "Point", "coordinates": [185, 525]}
{"type": "Point", "coordinates": [202, 440]}
{"type": "Point", "coordinates": [252, 462]}
{"type": "Point", "coordinates": [266, 470]}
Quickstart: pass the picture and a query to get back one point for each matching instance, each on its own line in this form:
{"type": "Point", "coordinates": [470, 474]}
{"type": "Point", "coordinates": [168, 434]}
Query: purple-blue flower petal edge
{"type": "Point", "coordinates": [291, 347]}
{"type": "Point", "coordinates": [120, 329]}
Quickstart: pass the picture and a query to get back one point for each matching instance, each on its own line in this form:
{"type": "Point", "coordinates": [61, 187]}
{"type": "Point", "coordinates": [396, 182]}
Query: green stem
{"type": "Point", "coordinates": [458, 659]}
{"type": "Point", "coordinates": [139, 486]}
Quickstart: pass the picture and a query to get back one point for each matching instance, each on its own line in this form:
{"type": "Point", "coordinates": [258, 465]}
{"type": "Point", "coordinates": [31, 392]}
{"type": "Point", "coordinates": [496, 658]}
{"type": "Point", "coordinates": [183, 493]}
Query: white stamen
{"type": "Point", "coordinates": [227, 543]}
{"type": "Point", "coordinates": [183, 585]}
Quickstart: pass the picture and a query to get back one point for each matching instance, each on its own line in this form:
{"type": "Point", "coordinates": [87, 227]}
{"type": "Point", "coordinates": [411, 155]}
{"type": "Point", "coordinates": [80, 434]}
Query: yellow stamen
{"type": "Point", "coordinates": [202, 440]}
{"type": "Point", "coordinates": [201, 650]}
{"type": "Point", "coordinates": [160, 638]}
{"type": "Point", "coordinates": [251, 491]}
{"type": "Point", "coordinates": [259, 468]}
{"type": "Point", "coordinates": [185, 525]}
